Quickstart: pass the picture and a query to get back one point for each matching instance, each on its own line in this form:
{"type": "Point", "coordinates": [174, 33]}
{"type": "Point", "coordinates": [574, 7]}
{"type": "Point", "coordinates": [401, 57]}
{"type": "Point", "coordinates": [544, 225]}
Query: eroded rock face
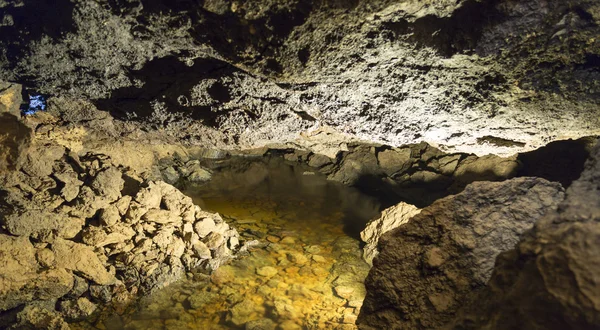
{"type": "Point", "coordinates": [550, 279]}
{"type": "Point", "coordinates": [391, 218]}
{"type": "Point", "coordinates": [430, 266]}
{"type": "Point", "coordinates": [477, 76]}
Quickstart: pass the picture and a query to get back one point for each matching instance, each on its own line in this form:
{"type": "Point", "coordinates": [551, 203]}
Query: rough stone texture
{"type": "Point", "coordinates": [430, 266]}
{"type": "Point", "coordinates": [415, 173]}
{"type": "Point", "coordinates": [392, 217]}
{"type": "Point", "coordinates": [476, 76]}
{"type": "Point", "coordinates": [77, 230]}
{"type": "Point", "coordinates": [550, 279]}
{"type": "Point", "coordinates": [22, 279]}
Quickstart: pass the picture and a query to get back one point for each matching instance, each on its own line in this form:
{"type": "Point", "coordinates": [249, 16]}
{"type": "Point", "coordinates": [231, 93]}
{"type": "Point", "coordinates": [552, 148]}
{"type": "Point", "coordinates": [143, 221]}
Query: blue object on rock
{"type": "Point", "coordinates": [36, 103]}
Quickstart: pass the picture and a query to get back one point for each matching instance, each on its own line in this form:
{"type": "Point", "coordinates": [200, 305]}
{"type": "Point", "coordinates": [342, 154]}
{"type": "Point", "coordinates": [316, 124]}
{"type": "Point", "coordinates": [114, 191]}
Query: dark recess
{"type": "Point", "coordinates": [560, 161]}
{"type": "Point", "coordinates": [165, 80]}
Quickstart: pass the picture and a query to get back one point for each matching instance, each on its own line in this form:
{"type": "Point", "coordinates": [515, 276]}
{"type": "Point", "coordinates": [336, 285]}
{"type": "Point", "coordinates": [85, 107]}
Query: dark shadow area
{"type": "Point", "coordinates": [459, 33]}
{"type": "Point", "coordinates": [170, 81]}
{"type": "Point", "coordinates": [560, 161]}
{"type": "Point", "coordinates": [31, 21]}
{"type": "Point", "coordinates": [15, 137]}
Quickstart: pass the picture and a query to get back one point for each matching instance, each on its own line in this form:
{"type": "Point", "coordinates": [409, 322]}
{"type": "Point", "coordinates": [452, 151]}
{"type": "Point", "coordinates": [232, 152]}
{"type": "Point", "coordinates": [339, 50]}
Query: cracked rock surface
{"type": "Point", "coordinates": [549, 280]}
{"type": "Point", "coordinates": [427, 268]}
{"type": "Point", "coordinates": [473, 76]}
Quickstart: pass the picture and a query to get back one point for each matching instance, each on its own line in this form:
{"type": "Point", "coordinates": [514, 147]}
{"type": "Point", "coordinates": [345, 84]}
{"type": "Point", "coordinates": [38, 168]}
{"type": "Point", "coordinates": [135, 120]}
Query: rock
{"type": "Point", "coordinates": [205, 227]}
{"type": "Point", "coordinates": [164, 238]}
{"type": "Point", "coordinates": [201, 250]}
{"type": "Point", "coordinates": [40, 160]}
{"type": "Point", "coordinates": [428, 267]}
{"type": "Point", "coordinates": [79, 309]}
{"type": "Point", "coordinates": [394, 160]}
{"type": "Point", "coordinates": [177, 248]}
{"type": "Point", "coordinates": [37, 317]}
{"type": "Point", "coordinates": [70, 191]}
{"type": "Point", "coordinates": [80, 286]}
{"type": "Point", "coordinates": [261, 324]}
{"type": "Point", "coordinates": [45, 258]}
{"type": "Point", "coordinates": [109, 183]}
{"type": "Point", "coordinates": [110, 216]}
{"type": "Point", "coordinates": [38, 223]}
{"type": "Point", "coordinates": [170, 175]}
{"type": "Point", "coordinates": [161, 216]}
{"type": "Point", "coordinates": [553, 270]}
{"type": "Point", "coordinates": [21, 280]}
{"type": "Point", "coordinates": [266, 271]}
{"type": "Point", "coordinates": [390, 218]}
{"type": "Point", "coordinates": [214, 240]}
{"type": "Point", "coordinates": [233, 243]}
{"type": "Point", "coordinates": [241, 313]}
{"type": "Point", "coordinates": [101, 293]}
{"type": "Point", "coordinates": [81, 258]}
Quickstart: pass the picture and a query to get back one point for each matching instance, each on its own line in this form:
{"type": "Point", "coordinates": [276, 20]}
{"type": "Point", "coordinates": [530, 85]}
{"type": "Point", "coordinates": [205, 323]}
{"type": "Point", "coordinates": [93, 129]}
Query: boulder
{"type": "Point", "coordinates": [550, 279]}
{"type": "Point", "coordinates": [81, 259]}
{"type": "Point", "coordinates": [109, 183]}
{"type": "Point", "coordinates": [20, 278]}
{"type": "Point", "coordinates": [430, 266]}
{"type": "Point", "coordinates": [390, 218]}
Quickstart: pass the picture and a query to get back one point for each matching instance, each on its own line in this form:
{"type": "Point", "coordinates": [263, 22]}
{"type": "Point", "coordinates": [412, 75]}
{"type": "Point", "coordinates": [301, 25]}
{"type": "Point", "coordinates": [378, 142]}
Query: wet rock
{"type": "Point", "coordinates": [394, 160]}
{"type": "Point", "coordinates": [77, 309]}
{"type": "Point", "coordinates": [391, 218]}
{"type": "Point", "coordinates": [101, 293]}
{"type": "Point", "coordinates": [266, 271]}
{"type": "Point", "coordinates": [38, 317]}
{"type": "Point", "coordinates": [261, 324]}
{"type": "Point", "coordinates": [170, 175]}
{"type": "Point", "coordinates": [241, 313]}
{"type": "Point", "coordinates": [552, 270]}
{"type": "Point", "coordinates": [428, 267]}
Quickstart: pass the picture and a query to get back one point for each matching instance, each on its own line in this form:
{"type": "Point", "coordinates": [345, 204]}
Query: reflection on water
{"type": "Point", "coordinates": [305, 271]}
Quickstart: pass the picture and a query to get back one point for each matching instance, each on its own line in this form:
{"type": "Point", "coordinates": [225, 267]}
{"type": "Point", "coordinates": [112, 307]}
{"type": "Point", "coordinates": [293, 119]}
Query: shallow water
{"type": "Point", "coordinates": [305, 271]}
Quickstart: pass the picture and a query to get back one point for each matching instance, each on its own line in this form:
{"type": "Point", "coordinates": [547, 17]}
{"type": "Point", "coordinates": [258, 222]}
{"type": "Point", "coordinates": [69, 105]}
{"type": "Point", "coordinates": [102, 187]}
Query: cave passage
{"type": "Point", "coordinates": [304, 266]}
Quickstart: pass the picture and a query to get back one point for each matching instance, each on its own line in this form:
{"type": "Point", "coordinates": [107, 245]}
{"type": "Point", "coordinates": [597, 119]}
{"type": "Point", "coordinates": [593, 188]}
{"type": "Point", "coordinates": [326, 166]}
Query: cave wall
{"type": "Point", "coordinates": [494, 76]}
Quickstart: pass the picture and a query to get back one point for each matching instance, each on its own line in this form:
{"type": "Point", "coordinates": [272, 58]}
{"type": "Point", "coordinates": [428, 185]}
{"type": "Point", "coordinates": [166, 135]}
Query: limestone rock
{"type": "Point", "coordinates": [428, 267]}
{"type": "Point", "coordinates": [81, 258]}
{"type": "Point", "coordinates": [20, 279]}
{"type": "Point", "coordinates": [550, 280]}
{"type": "Point", "coordinates": [109, 183]}
{"type": "Point", "coordinates": [40, 160]}
{"type": "Point", "coordinates": [37, 317]}
{"type": "Point", "coordinates": [391, 218]}
{"type": "Point", "coordinates": [37, 223]}
{"type": "Point", "coordinates": [79, 309]}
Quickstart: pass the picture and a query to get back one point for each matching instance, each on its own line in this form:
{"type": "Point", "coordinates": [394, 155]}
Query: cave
{"type": "Point", "coordinates": [299, 164]}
